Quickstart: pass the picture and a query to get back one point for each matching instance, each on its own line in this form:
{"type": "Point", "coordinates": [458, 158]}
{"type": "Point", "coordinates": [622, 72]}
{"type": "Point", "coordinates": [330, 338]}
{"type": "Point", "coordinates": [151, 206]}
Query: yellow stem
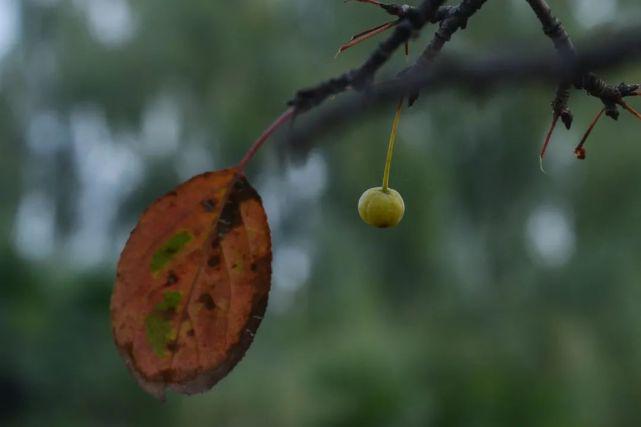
{"type": "Point", "coordinates": [390, 145]}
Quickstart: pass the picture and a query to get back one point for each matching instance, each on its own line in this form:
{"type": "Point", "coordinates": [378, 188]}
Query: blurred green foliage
{"type": "Point", "coordinates": [505, 298]}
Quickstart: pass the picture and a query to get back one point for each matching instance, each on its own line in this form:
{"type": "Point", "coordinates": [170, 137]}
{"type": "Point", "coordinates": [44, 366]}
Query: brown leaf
{"type": "Point", "coordinates": [365, 35]}
{"type": "Point", "coordinates": [192, 284]}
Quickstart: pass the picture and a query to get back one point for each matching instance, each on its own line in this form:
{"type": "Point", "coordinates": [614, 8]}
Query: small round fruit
{"type": "Point", "coordinates": [381, 208]}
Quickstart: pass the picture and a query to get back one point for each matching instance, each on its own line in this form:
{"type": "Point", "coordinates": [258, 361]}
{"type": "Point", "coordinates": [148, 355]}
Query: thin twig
{"type": "Point", "coordinates": [582, 79]}
{"type": "Point", "coordinates": [629, 109]}
{"type": "Point", "coordinates": [506, 69]}
{"type": "Point", "coordinates": [361, 77]}
{"type": "Point", "coordinates": [365, 35]}
{"type": "Point", "coordinates": [548, 137]}
{"type": "Point", "coordinates": [580, 150]}
{"type": "Point", "coordinates": [280, 120]}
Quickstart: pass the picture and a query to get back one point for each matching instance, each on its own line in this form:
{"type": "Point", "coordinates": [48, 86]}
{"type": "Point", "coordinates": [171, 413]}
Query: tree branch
{"type": "Point", "coordinates": [456, 19]}
{"type": "Point", "coordinates": [610, 95]}
{"type": "Point", "coordinates": [553, 28]}
{"type": "Point", "coordinates": [401, 10]}
{"type": "Point", "coordinates": [507, 69]}
{"type": "Point", "coordinates": [359, 78]}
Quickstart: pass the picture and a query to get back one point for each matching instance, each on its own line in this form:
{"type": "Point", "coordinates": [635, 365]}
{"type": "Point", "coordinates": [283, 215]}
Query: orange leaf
{"type": "Point", "coordinates": [192, 284]}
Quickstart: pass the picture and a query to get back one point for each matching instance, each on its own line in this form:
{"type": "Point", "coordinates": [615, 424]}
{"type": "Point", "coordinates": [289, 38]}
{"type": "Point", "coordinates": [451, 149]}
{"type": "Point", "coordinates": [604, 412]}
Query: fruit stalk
{"type": "Point", "coordinates": [390, 145]}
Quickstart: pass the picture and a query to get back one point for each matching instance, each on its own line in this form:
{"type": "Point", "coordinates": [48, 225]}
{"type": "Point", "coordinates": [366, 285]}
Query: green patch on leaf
{"type": "Point", "coordinates": [158, 324]}
{"type": "Point", "coordinates": [169, 250]}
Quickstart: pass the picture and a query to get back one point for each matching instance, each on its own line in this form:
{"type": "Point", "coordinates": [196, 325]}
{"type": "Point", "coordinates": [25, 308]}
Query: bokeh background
{"type": "Point", "coordinates": [507, 297]}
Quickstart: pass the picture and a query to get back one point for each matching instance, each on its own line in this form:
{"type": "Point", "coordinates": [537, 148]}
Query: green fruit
{"type": "Point", "coordinates": [381, 208]}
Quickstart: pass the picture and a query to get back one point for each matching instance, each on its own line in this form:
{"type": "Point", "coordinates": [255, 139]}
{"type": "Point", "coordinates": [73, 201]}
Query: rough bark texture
{"type": "Point", "coordinates": [575, 69]}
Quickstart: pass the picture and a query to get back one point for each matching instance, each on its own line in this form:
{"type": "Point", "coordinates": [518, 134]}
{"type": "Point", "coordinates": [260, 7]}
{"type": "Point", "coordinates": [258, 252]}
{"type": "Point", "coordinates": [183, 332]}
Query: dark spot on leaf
{"type": "Point", "coordinates": [261, 265]}
{"type": "Point", "coordinates": [173, 347]}
{"type": "Point", "coordinates": [243, 191]}
{"type": "Point", "coordinates": [229, 218]}
{"type": "Point", "coordinates": [167, 374]}
{"type": "Point", "coordinates": [209, 205]}
{"type": "Point", "coordinates": [215, 242]}
{"type": "Point", "coordinates": [191, 333]}
{"type": "Point", "coordinates": [171, 279]}
{"type": "Point", "coordinates": [207, 301]}
{"type": "Point", "coordinates": [213, 261]}
{"type": "Point", "coordinates": [168, 314]}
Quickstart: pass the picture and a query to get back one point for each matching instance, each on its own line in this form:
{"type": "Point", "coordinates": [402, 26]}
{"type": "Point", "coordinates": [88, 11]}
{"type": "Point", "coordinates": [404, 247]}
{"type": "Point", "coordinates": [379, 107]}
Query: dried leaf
{"type": "Point", "coordinates": [365, 35]}
{"type": "Point", "coordinates": [192, 284]}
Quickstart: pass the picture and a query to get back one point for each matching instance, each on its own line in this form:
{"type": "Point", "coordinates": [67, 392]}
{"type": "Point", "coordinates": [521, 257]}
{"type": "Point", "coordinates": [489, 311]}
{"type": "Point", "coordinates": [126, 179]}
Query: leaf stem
{"type": "Point", "coordinates": [631, 110]}
{"type": "Point", "coordinates": [282, 119]}
{"type": "Point", "coordinates": [390, 145]}
{"type": "Point", "coordinates": [579, 151]}
{"type": "Point", "coordinates": [548, 137]}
